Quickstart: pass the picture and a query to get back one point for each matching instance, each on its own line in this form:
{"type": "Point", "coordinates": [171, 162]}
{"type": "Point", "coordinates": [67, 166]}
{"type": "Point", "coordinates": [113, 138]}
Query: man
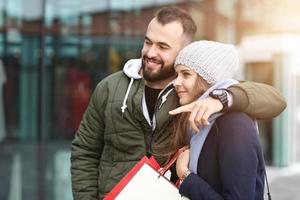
{"type": "Point", "coordinates": [128, 118]}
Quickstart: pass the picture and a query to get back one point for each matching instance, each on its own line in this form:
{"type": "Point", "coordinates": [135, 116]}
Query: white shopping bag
{"type": "Point", "coordinates": [144, 181]}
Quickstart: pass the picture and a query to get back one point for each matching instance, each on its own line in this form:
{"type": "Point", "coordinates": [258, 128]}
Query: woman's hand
{"type": "Point", "coordinates": [182, 163]}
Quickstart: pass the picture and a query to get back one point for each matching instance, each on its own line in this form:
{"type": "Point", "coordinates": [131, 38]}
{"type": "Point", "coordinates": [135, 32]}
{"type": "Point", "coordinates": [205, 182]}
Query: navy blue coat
{"type": "Point", "coordinates": [231, 164]}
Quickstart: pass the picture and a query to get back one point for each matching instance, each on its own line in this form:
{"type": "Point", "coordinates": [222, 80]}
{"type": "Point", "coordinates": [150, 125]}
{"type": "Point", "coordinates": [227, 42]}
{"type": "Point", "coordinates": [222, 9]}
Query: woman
{"type": "Point", "coordinates": [225, 159]}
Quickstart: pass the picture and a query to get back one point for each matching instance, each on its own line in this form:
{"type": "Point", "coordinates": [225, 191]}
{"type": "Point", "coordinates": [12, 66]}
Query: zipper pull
{"type": "Point", "coordinates": [163, 100]}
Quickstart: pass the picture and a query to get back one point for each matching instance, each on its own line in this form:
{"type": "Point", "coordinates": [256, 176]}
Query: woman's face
{"type": "Point", "coordinates": [188, 85]}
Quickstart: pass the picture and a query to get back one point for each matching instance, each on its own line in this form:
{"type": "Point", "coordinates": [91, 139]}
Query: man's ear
{"type": "Point", "coordinates": [185, 40]}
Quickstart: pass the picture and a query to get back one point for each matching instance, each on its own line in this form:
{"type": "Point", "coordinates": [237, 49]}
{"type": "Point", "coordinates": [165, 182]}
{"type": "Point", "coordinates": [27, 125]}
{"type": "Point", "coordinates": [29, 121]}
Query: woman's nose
{"type": "Point", "coordinates": [177, 81]}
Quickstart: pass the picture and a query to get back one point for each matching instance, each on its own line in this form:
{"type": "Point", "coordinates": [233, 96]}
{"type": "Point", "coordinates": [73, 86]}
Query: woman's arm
{"type": "Point", "coordinates": [240, 163]}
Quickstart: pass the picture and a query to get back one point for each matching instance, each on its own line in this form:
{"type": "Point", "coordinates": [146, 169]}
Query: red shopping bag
{"type": "Point", "coordinates": [145, 181]}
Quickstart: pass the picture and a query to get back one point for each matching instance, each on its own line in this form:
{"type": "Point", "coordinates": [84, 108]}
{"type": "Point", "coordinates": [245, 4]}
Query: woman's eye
{"type": "Point", "coordinates": [186, 74]}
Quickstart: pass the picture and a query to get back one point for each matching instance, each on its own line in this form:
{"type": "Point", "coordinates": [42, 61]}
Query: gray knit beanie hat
{"type": "Point", "coordinates": [213, 61]}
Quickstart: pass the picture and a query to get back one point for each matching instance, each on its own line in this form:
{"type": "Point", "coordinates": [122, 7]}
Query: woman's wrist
{"type": "Point", "coordinates": [186, 173]}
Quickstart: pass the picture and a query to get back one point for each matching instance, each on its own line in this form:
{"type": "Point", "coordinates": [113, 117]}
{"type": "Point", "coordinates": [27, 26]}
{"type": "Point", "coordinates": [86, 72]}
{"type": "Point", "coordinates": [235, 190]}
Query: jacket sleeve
{"type": "Point", "coordinates": [87, 148]}
{"type": "Point", "coordinates": [195, 188]}
{"type": "Point", "coordinates": [239, 156]}
{"type": "Point", "coordinates": [258, 100]}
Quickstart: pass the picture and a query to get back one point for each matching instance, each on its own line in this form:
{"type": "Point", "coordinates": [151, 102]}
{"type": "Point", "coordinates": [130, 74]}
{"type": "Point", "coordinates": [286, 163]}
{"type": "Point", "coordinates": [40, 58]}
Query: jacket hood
{"type": "Point", "coordinates": [132, 68]}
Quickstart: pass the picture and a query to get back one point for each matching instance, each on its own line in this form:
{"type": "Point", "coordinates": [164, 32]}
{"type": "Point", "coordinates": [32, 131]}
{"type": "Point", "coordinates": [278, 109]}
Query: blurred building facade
{"type": "Point", "coordinates": [275, 60]}
{"type": "Point", "coordinates": [54, 52]}
{"type": "Point", "coordinates": [268, 36]}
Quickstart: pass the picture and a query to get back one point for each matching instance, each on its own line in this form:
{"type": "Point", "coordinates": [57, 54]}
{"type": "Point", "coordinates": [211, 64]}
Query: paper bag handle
{"type": "Point", "coordinates": [172, 160]}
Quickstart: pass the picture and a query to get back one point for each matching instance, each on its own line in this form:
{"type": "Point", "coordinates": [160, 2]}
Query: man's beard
{"type": "Point", "coordinates": [165, 71]}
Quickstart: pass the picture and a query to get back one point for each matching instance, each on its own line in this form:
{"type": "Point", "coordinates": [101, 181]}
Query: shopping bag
{"type": "Point", "coordinates": [145, 181]}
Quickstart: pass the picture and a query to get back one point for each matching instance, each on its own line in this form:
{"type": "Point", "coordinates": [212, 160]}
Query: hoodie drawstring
{"type": "Point", "coordinates": [124, 105]}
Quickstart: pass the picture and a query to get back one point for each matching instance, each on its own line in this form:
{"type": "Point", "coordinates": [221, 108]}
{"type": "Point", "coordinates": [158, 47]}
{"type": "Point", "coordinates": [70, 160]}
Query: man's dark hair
{"type": "Point", "coordinates": [171, 14]}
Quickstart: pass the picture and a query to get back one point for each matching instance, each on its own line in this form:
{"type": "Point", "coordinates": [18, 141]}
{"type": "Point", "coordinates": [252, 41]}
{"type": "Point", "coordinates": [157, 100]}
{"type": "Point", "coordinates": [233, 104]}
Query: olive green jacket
{"type": "Point", "coordinates": [116, 131]}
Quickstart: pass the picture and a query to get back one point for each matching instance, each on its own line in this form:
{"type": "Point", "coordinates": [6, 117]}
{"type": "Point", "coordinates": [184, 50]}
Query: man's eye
{"type": "Point", "coordinates": [163, 47]}
{"type": "Point", "coordinates": [147, 42]}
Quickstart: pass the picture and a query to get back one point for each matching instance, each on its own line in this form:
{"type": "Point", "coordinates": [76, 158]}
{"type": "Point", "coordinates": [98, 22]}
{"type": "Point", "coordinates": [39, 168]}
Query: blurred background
{"type": "Point", "coordinates": [54, 52]}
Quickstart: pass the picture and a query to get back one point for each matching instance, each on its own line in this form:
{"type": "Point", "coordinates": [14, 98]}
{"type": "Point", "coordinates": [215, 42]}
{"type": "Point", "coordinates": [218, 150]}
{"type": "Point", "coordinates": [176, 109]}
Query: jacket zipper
{"type": "Point", "coordinates": [162, 99]}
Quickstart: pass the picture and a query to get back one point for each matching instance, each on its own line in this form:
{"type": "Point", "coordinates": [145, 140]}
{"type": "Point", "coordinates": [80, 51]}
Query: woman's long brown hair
{"type": "Point", "coordinates": [181, 127]}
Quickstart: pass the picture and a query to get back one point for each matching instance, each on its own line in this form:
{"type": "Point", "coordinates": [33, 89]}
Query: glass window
{"type": "Point", "coordinates": [54, 52]}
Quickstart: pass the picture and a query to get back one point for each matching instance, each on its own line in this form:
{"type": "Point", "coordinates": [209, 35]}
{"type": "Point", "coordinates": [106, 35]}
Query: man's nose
{"type": "Point", "coordinates": [152, 52]}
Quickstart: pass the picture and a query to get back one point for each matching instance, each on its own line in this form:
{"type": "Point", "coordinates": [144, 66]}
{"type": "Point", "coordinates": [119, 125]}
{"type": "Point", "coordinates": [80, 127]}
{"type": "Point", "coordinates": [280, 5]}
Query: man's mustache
{"type": "Point", "coordinates": [154, 60]}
